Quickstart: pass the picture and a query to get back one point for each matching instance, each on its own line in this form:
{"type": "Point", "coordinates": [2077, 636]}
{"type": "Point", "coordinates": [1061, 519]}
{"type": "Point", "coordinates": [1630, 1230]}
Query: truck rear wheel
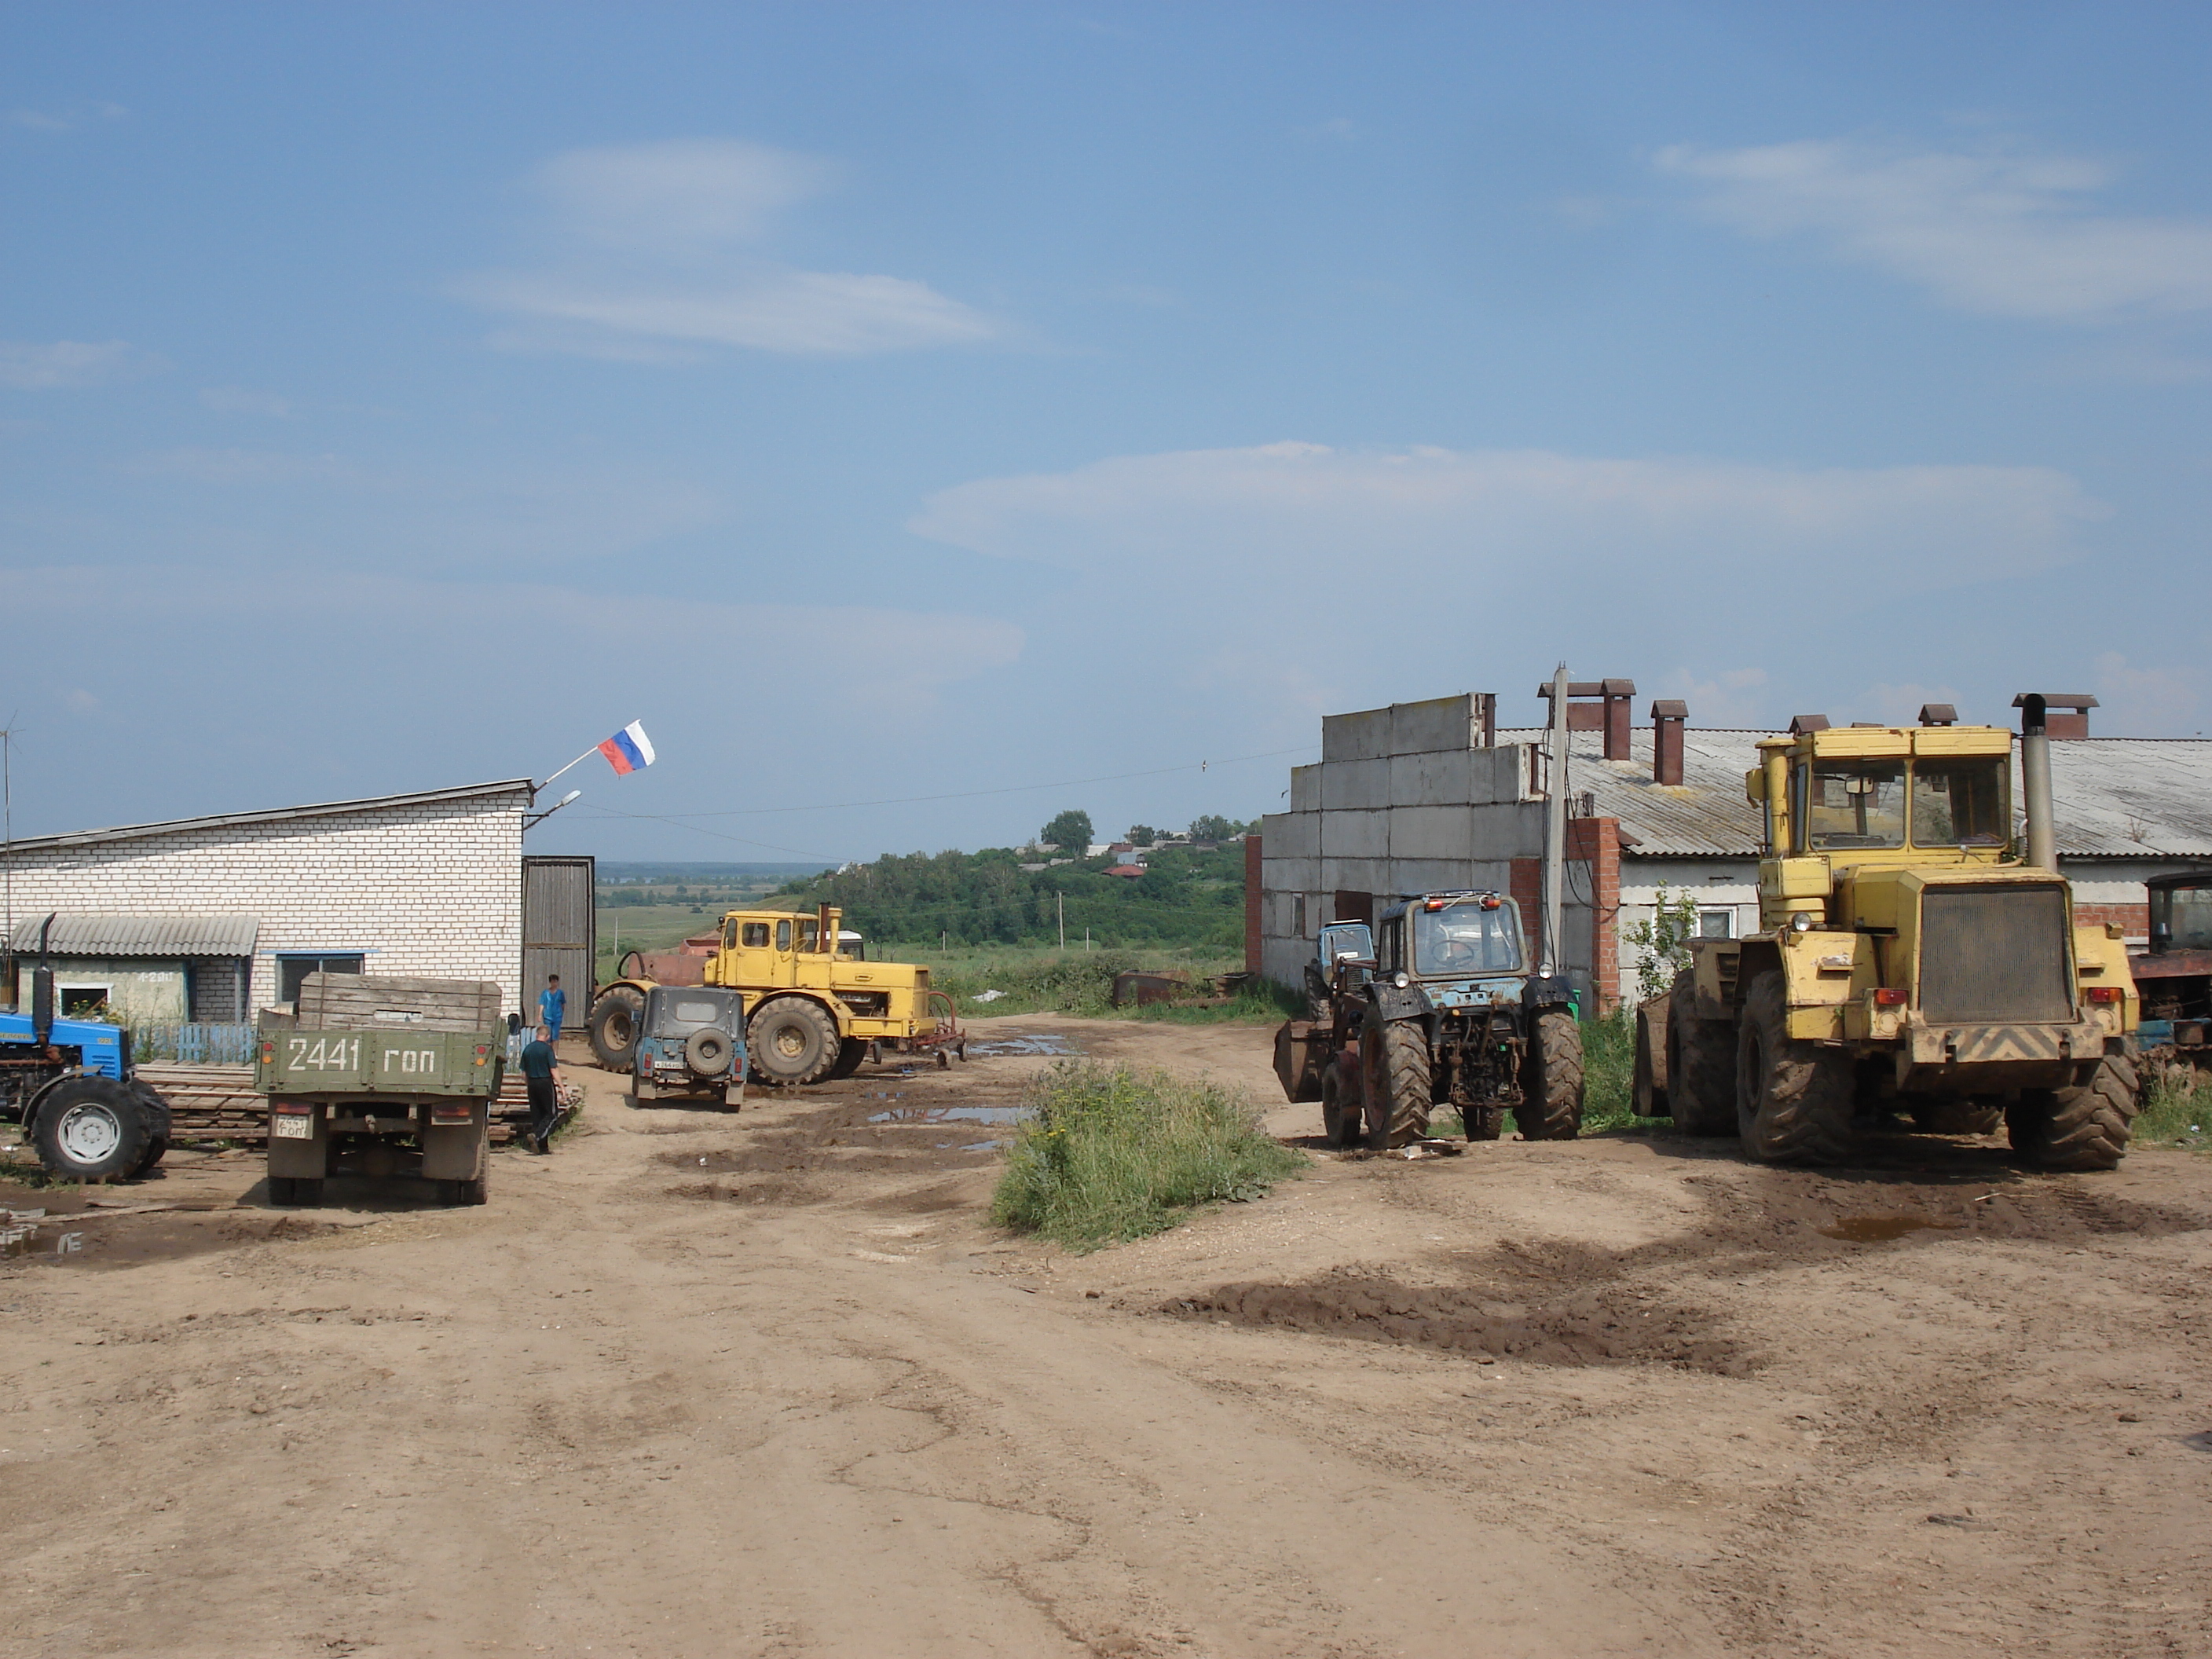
{"type": "Point", "coordinates": [1700, 1066]}
{"type": "Point", "coordinates": [613, 1025]}
{"type": "Point", "coordinates": [1793, 1099]}
{"type": "Point", "coordinates": [1393, 1063]}
{"type": "Point", "coordinates": [2085, 1127]}
{"type": "Point", "coordinates": [91, 1128]}
{"type": "Point", "coordinates": [791, 1040]}
{"type": "Point", "coordinates": [1551, 1081]}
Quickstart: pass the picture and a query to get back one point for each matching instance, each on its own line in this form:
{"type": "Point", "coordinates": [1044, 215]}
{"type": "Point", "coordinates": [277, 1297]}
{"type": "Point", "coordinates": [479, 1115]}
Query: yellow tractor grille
{"type": "Point", "coordinates": [1994, 953]}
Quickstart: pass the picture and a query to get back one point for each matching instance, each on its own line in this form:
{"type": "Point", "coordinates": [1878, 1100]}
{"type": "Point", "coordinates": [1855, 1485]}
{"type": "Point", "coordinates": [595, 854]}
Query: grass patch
{"type": "Point", "coordinates": [1109, 1153]}
{"type": "Point", "coordinates": [2176, 1108]}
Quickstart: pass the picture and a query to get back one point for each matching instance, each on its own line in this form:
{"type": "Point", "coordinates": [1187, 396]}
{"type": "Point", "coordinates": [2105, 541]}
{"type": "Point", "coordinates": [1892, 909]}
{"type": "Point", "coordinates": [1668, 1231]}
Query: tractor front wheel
{"type": "Point", "coordinates": [2085, 1127]}
{"type": "Point", "coordinates": [1552, 1080]}
{"type": "Point", "coordinates": [1339, 1115]}
{"type": "Point", "coordinates": [1393, 1063]}
{"type": "Point", "coordinates": [791, 1040]}
{"type": "Point", "coordinates": [1793, 1099]}
{"type": "Point", "coordinates": [1700, 1066]}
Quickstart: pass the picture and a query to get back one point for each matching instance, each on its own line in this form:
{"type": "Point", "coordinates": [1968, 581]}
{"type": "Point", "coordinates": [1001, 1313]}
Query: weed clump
{"type": "Point", "coordinates": [1109, 1153]}
{"type": "Point", "coordinates": [2177, 1108]}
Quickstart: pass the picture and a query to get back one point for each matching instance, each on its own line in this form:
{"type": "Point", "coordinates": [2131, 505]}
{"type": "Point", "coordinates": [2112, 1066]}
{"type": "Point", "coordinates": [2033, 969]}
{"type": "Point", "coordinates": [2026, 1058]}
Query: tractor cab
{"type": "Point", "coordinates": [1454, 945]}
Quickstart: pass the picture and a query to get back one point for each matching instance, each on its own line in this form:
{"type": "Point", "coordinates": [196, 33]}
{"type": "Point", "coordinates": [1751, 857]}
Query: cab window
{"type": "Point", "coordinates": [755, 934]}
{"type": "Point", "coordinates": [1466, 938]}
{"type": "Point", "coordinates": [729, 935]}
{"type": "Point", "coordinates": [783, 936]}
{"type": "Point", "coordinates": [806, 935]}
{"type": "Point", "coordinates": [1855, 803]}
{"type": "Point", "coordinates": [1961, 803]}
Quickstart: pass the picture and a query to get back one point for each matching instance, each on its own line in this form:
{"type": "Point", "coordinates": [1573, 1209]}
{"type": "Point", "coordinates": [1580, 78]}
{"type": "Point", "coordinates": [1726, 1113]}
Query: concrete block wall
{"type": "Point", "coordinates": [431, 888]}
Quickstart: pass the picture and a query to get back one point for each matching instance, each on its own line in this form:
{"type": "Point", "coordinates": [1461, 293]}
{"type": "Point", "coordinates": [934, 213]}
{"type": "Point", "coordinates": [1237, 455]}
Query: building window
{"type": "Point", "coordinates": [292, 970]}
{"type": "Point", "coordinates": [79, 1000]}
{"type": "Point", "coordinates": [1717, 924]}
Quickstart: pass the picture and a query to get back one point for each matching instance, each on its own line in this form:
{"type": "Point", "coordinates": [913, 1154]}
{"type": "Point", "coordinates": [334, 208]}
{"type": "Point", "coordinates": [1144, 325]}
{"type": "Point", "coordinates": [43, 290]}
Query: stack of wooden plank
{"type": "Point", "coordinates": [217, 1103]}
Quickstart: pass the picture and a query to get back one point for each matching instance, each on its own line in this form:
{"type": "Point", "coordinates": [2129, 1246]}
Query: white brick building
{"type": "Point", "coordinates": [427, 883]}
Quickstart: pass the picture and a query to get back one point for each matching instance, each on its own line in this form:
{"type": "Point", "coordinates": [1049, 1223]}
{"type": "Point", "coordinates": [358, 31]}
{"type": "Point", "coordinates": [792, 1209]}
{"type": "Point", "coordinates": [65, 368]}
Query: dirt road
{"type": "Point", "coordinates": [705, 1385]}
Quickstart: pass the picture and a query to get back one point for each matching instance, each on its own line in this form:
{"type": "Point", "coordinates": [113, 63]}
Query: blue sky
{"type": "Point", "coordinates": [885, 403]}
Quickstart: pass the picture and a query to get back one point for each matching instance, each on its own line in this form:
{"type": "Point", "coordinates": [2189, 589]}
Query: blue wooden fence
{"type": "Point", "coordinates": [215, 1045]}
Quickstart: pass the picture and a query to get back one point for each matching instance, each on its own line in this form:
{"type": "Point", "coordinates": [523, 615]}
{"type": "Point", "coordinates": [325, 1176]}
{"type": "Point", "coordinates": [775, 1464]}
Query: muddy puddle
{"type": "Point", "coordinates": [1880, 1229]}
{"type": "Point", "coordinates": [1047, 1043]}
{"type": "Point", "coordinates": [89, 1239]}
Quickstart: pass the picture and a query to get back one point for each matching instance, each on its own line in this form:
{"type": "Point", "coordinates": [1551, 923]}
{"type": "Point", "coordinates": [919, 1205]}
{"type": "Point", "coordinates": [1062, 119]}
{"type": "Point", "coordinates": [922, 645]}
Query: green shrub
{"type": "Point", "coordinates": [1109, 1153]}
{"type": "Point", "coordinates": [1609, 1071]}
{"type": "Point", "coordinates": [2177, 1108]}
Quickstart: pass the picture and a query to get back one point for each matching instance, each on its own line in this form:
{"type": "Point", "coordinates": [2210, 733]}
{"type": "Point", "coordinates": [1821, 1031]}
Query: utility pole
{"type": "Point", "coordinates": [8, 847]}
{"type": "Point", "coordinates": [1555, 827]}
{"type": "Point", "coordinates": [1062, 900]}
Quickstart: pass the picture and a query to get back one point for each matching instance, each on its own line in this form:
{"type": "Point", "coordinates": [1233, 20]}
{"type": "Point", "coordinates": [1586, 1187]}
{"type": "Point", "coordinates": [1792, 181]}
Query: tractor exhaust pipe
{"type": "Point", "coordinates": [2035, 780]}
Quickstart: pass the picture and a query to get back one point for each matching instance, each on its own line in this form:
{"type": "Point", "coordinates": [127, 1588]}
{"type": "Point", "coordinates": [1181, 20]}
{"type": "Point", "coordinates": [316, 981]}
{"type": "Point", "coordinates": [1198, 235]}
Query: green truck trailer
{"type": "Point", "coordinates": [381, 1077]}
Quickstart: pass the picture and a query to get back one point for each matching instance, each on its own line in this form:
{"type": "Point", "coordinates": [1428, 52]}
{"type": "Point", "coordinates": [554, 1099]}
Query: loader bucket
{"type": "Point", "coordinates": [1299, 1051]}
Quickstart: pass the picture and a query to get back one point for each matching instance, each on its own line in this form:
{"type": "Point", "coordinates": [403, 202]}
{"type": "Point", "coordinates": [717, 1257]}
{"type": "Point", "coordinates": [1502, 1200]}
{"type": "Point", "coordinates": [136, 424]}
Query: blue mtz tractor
{"type": "Point", "coordinates": [1437, 1004]}
{"type": "Point", "coordinates": [69, 1083]}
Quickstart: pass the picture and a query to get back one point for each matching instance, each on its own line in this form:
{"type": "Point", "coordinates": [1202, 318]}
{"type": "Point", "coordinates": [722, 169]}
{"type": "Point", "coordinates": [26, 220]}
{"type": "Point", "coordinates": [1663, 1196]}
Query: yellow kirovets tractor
{"type": "Point", "coordinates": [814, 1004]}
{"type": "Point", "coordinates": [1913, 957]}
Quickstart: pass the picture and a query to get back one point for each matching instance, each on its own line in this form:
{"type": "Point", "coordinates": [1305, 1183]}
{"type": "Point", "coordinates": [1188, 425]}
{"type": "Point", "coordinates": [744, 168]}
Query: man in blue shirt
{"type": "Point", "coordinates": [541, 1077]}
{"type": "Point", "coordinates": [552, 1006]}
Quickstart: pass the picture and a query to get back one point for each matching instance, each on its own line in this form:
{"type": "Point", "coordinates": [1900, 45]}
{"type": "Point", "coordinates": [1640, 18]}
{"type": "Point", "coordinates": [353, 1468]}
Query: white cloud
{"type": "Point", "coordinates": [1999, 232]}
{"type": "Point", "coordinates": [657, 250]}
{"type": "Point", "coordinates": [1304, 576]}
{"type": "Point", "coordinates": [243, 400]}
{"type": "Point", "coordinates": [37, 120]}
{"type": "Point", "coordinates": [248, 466]}
{"type": "Point", "coordinates": [69, 365]}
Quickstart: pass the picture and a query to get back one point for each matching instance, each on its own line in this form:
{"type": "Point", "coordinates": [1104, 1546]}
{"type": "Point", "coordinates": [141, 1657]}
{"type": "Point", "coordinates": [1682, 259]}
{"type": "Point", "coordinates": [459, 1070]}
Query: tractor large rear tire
{"type": "Point", "coordinates": [93, 1128]}
{"type": "Point", "coordinates": [1551, 1078]}
{"type": "Point", "coordinates": [791, 1040]}
{"type": "Point", "coordinates": [850, 1053]}
{"type": "Point", "coordinates": [1700, 1066]}
{"type": "Point", "coordinates": [1794, 1099]}
{"type": "Point", "coordinates": [1394, 1059]}
{"type": "Point", "coordinates": [613, 1025]}
{"type": "Point", "coordinates": [2080, 1128]}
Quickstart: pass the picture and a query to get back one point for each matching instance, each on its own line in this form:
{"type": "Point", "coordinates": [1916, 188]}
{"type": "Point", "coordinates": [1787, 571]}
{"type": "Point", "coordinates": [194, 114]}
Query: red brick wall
{"type": "Point", "coordinates": [1592, 872]}
{"type": "Point", "coordinates": [2134, 919]}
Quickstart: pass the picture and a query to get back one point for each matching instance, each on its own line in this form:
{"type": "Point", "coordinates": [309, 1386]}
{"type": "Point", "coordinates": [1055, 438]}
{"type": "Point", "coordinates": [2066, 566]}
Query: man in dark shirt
{"type": "Point", "coordinates": [541, 1076]}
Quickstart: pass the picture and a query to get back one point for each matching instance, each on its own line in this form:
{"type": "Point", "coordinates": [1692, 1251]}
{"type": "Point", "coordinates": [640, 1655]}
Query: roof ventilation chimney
{"type": "Point", "coordinates": [1667, 715]}
{"type": "Point", "coordinates": [2072, 724]}
{"type": "Point", "coordinates": [1802, 724]}
{"type": "Point", "coordinates": [1938, 713]}
{"type": "Point", "coordinates": [1613, 715]}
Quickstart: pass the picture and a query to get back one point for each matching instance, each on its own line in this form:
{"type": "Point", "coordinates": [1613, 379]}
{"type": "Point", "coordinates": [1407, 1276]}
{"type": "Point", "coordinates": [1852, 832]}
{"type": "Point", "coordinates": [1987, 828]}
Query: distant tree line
{"type": "Point", "coordinates": [1185, 896]}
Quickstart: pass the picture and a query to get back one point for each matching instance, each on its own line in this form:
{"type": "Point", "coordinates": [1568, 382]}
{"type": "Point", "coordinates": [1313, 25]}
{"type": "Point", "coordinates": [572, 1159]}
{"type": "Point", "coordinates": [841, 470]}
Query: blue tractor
{"type": "Point", "coordinates": [68, 1082]}
{"type": "Point", "coordinates": [1439, 1006]}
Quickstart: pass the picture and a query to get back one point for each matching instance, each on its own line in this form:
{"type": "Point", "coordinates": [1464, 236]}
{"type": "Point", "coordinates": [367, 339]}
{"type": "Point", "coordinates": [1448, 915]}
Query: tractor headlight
{"type": "Point", "coordinates": [1801, 922]}
{"type": "Point", "coordinates": [1400, 979]}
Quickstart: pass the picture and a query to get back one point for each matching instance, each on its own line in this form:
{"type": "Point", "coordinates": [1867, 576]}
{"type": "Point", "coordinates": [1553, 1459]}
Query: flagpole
{"type": "Point", "coordinates": [579, 761]}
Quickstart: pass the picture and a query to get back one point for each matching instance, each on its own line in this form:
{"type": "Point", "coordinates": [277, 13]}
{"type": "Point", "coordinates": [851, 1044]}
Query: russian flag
{"type": "Point", "coordinates": [629, 749]}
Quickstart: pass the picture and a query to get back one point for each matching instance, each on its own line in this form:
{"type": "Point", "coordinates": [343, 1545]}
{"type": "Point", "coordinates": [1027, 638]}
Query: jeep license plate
{"type": "Point", "coordinates": [286, 1126]}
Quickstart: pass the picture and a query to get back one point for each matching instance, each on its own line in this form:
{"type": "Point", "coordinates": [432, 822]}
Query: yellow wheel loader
{"type": "Point", "coordinates": [1914, 957]}
{"type": "Point", "coordinates": [814, 1004]}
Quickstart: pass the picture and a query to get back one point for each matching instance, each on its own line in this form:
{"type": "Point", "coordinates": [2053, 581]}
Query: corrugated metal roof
{"type": "Point", "coordinates": [138, 936]}
{"type": "Point", "coordinates": [2115, 797]}
{"type": "Point", "coordinates": [325, 809]}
